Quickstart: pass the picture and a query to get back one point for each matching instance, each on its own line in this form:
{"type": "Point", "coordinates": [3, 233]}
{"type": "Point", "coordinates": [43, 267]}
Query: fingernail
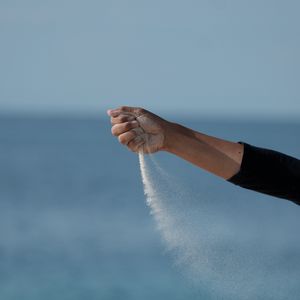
{"type": "Point", "coordinates": [113, 112]}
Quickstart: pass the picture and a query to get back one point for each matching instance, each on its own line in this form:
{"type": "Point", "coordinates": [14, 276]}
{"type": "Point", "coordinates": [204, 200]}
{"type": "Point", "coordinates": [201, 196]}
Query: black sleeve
{"type": "Point", "coordinates": [269, 172]}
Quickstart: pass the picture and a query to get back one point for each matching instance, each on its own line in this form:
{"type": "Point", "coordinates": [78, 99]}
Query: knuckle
{"type": "Point", "coordinates": [141, 110]}
{"type": "Point", "coordinates": [122, 119]}
{"type": "Point", "coordinates": [128, 125]}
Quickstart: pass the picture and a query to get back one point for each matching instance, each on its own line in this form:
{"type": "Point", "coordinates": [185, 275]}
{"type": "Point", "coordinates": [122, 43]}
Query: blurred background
{"type": "Point", "coordinates": [73, 220]}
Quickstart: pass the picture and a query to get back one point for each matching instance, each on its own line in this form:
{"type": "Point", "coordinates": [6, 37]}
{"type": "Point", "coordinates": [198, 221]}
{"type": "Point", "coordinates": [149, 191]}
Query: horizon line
{"type": "Point", "coordinates": [193, 116]}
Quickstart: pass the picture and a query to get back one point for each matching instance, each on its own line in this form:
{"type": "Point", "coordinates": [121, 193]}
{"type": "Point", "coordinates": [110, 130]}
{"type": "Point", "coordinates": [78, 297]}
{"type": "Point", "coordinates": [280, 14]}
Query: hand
{"type": "Point", "coordinates": [139, 129]}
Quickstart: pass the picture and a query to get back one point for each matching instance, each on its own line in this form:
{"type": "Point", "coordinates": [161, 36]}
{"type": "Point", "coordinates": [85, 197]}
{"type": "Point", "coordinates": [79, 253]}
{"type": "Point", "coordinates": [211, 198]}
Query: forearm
{"type": "Point", "coordinates": [217, 156]}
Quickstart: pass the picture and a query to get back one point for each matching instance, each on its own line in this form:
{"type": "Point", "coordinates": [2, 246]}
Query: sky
{"type": "Point", "coordinates": [204, 57]}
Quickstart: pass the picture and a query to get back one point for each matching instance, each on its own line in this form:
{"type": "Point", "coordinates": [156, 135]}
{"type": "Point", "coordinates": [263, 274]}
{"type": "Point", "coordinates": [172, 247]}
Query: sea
{"type": "Point", "coordinates": [74, 223]}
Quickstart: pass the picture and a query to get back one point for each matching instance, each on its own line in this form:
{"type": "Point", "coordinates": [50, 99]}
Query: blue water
{"type": "Point", "coordinates": [74, 223]}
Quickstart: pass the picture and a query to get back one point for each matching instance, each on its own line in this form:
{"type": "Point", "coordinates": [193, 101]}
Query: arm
{"type": "Point", "coordinates": [262, 170]}
{"type": "Point", "coordinates": [143, 131]}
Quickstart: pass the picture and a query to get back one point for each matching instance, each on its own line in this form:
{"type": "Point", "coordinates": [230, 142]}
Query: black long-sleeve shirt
{"type": "Point", "coordinates": [269, 172]}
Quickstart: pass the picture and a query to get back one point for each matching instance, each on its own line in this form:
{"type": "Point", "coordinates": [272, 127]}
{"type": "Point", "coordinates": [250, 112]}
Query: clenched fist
{"type": "Point", "coordinates": [139, 129]}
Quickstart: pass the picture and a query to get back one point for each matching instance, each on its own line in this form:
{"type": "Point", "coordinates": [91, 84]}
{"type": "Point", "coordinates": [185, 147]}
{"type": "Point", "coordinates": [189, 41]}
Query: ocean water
{"type": "Point", "coordinates": [74, 223]}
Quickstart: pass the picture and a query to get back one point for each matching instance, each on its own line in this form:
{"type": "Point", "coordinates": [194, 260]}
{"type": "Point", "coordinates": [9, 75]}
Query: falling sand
{"type": "Point", "coordinates": [215, 252]}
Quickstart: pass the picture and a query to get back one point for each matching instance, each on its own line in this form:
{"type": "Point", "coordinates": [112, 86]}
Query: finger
{"type": "Point", "coordinates": [118, 129]}
{"type": "Point", "coordinates": [136, 143]}
{"type": "Point", "coordinates": [136, 111]}
{"type": "Point", "coordinates": [126, 137]}
{"type": "Point", "coordinates": [113, 112]}
{"type": "Point", "coordinates": [121, 119]}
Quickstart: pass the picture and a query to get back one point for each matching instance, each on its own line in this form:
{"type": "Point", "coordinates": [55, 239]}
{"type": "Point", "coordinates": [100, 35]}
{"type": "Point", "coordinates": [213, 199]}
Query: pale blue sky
{"type": "Point", "coordinates": [210, 57]}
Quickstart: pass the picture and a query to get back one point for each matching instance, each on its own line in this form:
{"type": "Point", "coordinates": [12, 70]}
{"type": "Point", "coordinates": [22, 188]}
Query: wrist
{"type": "Point", "coordinates": [168, 132]}
{"type": "Point", "coordinates": [172, 134]}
